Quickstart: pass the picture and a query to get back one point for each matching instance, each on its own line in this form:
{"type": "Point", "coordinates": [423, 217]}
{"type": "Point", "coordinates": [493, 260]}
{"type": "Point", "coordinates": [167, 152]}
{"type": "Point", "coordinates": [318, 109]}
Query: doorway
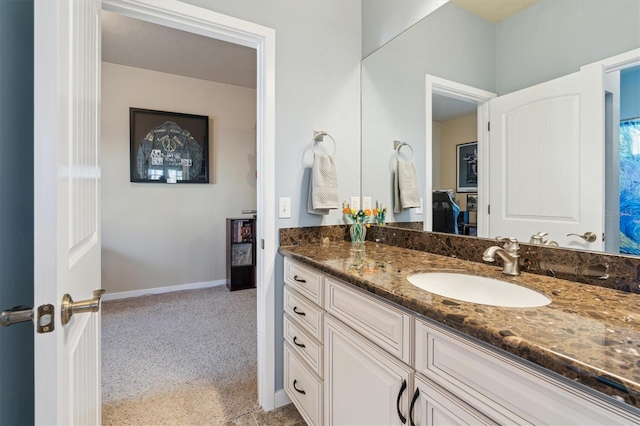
{"type": "Point", "coordinates": [217, 26]}
{"type": "Point", "coordinates": [163, 237]}
{"type": "Point", "coordinates": [449, 99]}
{"type": "Point", "coordinates": [621, 139]}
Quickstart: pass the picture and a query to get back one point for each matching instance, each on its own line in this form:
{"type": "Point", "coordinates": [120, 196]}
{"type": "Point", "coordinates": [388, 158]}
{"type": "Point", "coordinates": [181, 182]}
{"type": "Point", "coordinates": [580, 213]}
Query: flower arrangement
{"type": "Point", "coordinates": [379, 214]}
{"type": "Point", "coordinates": [355, 216]}
{"type": "Point", "coordinates": [359, 222]}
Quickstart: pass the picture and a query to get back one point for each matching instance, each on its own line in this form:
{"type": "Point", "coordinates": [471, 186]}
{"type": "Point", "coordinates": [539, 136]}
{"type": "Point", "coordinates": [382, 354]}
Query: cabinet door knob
{"type": "Point", "coordinates": [298, 344]}
{"type": "Point", "coordinates": [300, 280]}
{"type": "Point", "coordinates": [295, 309]}
{"type": "Point", "coordinates": [413, 403]}
{"type": "Point", "coordinates": [294, 386]}
{"type": "Point", "coordinates": [403, 419]}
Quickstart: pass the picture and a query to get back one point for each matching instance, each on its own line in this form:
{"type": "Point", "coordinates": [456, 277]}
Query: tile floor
{"type": "Point", "coordinates": [283, 416]}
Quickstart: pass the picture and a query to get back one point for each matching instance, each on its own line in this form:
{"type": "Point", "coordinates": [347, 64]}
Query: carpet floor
{"type": "Point", "coordinates": [183, 358]}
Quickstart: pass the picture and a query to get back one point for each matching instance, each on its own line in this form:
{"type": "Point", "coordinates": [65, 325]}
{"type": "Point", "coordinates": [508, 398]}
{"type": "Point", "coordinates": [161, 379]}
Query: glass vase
{"type": "Point", "coordinates": [358, 231]}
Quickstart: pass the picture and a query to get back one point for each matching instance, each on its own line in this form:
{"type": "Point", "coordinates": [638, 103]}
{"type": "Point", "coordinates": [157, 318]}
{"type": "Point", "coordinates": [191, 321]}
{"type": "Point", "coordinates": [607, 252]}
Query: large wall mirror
{"type": "Point", "coordinates": [552, 162]}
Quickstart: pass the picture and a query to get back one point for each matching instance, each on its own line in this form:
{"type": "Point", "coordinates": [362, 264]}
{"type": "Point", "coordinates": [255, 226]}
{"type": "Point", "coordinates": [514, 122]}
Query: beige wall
{"type": "Point", "coordinates": [157, 235]}
{"type": "Point", "coordinates": [455, 132]}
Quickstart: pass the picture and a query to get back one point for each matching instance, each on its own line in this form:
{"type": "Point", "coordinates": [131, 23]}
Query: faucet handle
{"type": "Point", "coordinates": [510, 244]}
{"type": "Point", "coordinates": [538, 238]}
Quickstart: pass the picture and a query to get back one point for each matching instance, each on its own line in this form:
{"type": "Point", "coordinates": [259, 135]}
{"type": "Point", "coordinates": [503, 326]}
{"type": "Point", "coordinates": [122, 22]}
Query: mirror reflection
{"type": "Point", "coordinates": [436, 86]}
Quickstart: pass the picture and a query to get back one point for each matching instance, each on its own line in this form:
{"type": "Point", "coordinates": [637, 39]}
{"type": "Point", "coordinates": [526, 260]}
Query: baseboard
{"type": "Point", "coordinates": [160, 290]}
{"type": "Point", "coordinates": [281, 398]}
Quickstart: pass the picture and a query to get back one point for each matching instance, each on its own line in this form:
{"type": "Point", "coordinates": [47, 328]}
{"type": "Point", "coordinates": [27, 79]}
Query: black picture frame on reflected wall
{"type": "Point", "coordinates": [168, 147]}
{"type": "Point", "coordinates": [467, 167]}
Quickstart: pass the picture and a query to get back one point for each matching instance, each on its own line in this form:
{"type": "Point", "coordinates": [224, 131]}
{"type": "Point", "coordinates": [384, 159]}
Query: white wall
{"type": "Point", "coordinates": [317, 87]}
{"type": "Point", "coordinates": [156, 235]}
{"type": "Point", "coordinates": [553, 38]}
{"type": "Point", "coordinates": [393, 91]}
{"type": "Point", "coordinates": [382, 20]}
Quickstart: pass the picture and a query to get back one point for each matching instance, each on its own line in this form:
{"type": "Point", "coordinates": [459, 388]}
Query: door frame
{"type": "Point", "coordinates": [185, 17]}
{"type": "Point", "coordinates": [609, 65]}
{"type": "Point", "coordinates": [462, 92]}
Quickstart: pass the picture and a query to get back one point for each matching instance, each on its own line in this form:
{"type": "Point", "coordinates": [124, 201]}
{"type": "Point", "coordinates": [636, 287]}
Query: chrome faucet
{"type": "Point", "coordinates": [509, 253]}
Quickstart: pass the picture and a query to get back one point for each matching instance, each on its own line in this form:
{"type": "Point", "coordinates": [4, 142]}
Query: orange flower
{"type": "Point", "coordinates": [345, 210]}
{"type": "Point", "coordinates": [367, 212]}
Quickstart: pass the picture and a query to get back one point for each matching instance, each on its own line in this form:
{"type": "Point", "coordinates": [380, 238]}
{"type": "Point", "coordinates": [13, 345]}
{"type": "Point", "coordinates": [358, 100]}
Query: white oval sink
{"type": "Point", "coordinates": [475, 289]}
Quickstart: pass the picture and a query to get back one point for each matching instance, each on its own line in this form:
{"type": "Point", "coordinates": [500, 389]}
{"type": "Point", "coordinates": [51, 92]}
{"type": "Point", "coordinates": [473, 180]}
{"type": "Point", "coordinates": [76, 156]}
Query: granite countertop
{"type": "Point", "coordinates": [587, 333]}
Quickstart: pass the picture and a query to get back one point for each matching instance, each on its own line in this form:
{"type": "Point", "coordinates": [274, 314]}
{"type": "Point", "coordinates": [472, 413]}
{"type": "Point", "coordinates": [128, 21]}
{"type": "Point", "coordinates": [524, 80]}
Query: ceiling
{"type": "Point", "coordinates": [140, 44]}
{"type": "Point", "coordinates": [494, 10]}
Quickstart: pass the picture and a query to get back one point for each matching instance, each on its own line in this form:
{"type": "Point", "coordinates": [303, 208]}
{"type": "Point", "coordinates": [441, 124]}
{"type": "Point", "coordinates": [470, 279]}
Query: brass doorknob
{"type": "Point", "coordinates": [587, 236]}
{"type": "Point", "coordinates": [69, 307]}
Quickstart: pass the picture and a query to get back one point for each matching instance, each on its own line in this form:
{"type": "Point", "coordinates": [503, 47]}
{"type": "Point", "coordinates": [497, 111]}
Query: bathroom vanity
{"type": "Point", "coordinates": [362, 345]}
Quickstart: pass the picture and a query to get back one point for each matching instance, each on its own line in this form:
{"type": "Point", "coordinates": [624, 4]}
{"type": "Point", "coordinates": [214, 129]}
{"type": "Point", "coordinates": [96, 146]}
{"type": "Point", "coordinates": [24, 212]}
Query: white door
{"type": "Point", "coordinates": [363, 384]}
{"type": "Point", "coordinates": [546, 160]}
{"type": "Point", "coordinates": [67, 207]}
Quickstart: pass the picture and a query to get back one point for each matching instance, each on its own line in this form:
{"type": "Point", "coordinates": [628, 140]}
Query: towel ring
{"type": "Point", "coordinates": [400, 145]}
{"type": "Point", "coordinates": [318, 136]}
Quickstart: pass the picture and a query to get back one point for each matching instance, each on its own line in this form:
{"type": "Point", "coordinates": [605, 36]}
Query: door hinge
{"type": "Point", "coordinates": [489, 209]}
{"type": "Point", "coordinates": [488, 126]}
{"type": "Point", "coordinates": [262, 243]}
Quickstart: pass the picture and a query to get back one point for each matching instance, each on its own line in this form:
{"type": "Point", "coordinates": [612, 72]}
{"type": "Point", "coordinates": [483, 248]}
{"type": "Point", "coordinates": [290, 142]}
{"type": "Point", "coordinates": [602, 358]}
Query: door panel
{"type": "Point", "coordinates": [67, 206]}
{"type": "Point", "coordinates": [546, 168]}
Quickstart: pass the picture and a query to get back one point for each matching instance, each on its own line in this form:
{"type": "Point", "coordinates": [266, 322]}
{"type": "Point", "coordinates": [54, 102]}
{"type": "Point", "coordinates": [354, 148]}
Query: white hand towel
{"type": "Point", "coordinates": [406, 193]}
{"type": "Point", "coordinates": [323, 185]}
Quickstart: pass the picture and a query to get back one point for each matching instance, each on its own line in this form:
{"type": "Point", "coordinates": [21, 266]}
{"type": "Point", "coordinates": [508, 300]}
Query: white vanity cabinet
{"type": "Point", "coordinates": [303, 339]}
{"type": "Point", "coordinates": [369, 378]}
{"type": "Point", "coordinates": [367, 361]}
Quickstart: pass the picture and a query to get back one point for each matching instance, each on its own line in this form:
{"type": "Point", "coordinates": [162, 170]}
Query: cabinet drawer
{"type": "Point", "coordinates": [304, 313]}
{"type": "Point", "coordinates": [303, 387]}
{"type": "Point", "coordinates": [503, 387]}
{"type": "Point", "coordinates": [305, 280]}
{"type": "Point", "coordinates": [308, 348]}
{"type": "Point", "coordinates": [384, 324]}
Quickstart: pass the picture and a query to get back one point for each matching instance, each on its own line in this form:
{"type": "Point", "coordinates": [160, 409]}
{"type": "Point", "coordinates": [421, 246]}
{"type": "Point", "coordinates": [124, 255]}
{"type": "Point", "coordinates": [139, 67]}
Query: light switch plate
{"type": "Point", "coordinates": [284, 208]}
{"type": "Point", "coordinates": [366, 203]}
{"type": "Point", "coordinates": [355, 203]}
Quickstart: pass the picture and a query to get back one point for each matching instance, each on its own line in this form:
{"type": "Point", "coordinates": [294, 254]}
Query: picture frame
{"type": "Point", "coordinates": [168, 147]}
{"type": "Point", "coordinates": [467, 167]}
{"type": "Point", "coordinates": [472, 202]}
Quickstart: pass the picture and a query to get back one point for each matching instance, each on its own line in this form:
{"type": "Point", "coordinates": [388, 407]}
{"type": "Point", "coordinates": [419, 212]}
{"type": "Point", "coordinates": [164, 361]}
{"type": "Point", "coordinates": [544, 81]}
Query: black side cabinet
{"type": "Point", "coordinates": [241, 253]}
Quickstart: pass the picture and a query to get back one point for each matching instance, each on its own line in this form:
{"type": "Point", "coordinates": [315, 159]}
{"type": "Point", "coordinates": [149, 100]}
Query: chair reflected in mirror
{"type": "Point", "coordinates": [445, 213]}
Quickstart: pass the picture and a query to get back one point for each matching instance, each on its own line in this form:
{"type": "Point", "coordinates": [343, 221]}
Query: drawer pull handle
{"type": "Point", "coordinates": [296, 343]}
{"type": "Point", "coordinates": [300, 280]}
{"type": "Point", "coordinates": [295, 309]}
{"type": "Point", "coordinates": [403, 419]}
{"type": "Point", "coordinates": [301, 391]}
{"type": "Point", "coordinates": [413, 402]}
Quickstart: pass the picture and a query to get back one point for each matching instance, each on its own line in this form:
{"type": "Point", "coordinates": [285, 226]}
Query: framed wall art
{"type": "Point", "coordinates": [467, 167]}
{"type": "Point", "coordinates": [168, 147]}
